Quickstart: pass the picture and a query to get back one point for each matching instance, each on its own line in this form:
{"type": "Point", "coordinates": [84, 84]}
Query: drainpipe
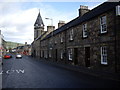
{"type": "Point", "coordinates": [115, 31]}
{"type": "Point", "coordinates": [40, 48]}
{"type": "Point", "coordinates": [65, 47]}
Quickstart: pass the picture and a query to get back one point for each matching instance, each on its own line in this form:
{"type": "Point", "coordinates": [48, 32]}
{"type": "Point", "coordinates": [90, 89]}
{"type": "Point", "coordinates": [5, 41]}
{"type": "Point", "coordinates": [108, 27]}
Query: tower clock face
{"type": "Point", "coordinates": [41, 25]}
{"type": "Point", "coordinates": [36, 24]}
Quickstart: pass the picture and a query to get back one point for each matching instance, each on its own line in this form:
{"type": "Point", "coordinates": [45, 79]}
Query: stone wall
{"type": "Point", "coordinates": [79, 45]}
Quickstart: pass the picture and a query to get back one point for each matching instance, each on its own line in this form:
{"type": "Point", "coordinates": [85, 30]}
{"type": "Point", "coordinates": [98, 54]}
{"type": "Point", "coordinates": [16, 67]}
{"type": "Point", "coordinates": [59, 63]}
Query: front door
{"type": "Point", "coordinates": [55, 54]}
{"type": "Point", "coordinates": [75, 56]}
{"type": "Point", "coordinates": [87, 56]}
{"type": "Point", "coordinates": [34, 54]}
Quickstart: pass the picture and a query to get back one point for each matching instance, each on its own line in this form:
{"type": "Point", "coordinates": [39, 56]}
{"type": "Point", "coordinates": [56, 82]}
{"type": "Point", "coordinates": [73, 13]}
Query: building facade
{"type": "Point", "coordinates": [2, 45]}
{"type": "Point", "coordinates": [91, 40]}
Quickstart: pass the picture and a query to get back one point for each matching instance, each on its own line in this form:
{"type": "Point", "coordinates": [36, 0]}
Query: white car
{"type": "Point", "coordinates": [18, 56]}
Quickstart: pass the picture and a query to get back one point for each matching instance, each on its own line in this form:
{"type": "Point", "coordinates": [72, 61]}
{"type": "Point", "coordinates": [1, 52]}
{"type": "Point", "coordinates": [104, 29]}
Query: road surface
{"type": "Point", "coordinates": [29, 72]}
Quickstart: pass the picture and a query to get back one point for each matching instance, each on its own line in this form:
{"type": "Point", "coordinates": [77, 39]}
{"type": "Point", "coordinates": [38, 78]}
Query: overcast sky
{"type": "Point", "coordinates": [17, 18]}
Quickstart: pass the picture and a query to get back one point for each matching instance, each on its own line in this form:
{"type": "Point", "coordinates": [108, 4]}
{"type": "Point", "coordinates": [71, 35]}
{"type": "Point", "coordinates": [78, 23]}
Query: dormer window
{"type": "Point", "coordinates": [103, 24]}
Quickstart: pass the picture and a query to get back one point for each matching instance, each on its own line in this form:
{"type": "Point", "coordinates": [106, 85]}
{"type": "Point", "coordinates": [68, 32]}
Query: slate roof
{"type": "Point", "coordinates": [106, 6]}
{"type": "Point", "coordinates": [41, 35]}
{"type": "Point", "coordinates": [39, 20]}
{"type": "Point", "coordinates": [20, 47]}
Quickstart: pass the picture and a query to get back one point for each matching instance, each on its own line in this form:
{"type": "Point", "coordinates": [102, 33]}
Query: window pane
{"type": "Point", "coordinates": [104, 55]}
{"type": "Point", "coordinates": [84, 30]}
{"type": "Point", "coordinates": [70, 54]}
{"type": "Point", "coordinates": [103, 24]}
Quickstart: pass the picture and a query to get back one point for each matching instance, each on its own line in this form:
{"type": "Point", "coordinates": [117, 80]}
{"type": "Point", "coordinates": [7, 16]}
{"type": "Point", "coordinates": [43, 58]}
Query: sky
{"type": "Point", "coordinates": [17, 17]}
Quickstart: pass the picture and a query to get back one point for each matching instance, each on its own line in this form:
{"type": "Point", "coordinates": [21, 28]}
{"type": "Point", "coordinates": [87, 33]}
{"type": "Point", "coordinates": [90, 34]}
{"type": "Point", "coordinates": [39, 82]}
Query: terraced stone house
{"type": "Point", "coordinates": [91, 40]}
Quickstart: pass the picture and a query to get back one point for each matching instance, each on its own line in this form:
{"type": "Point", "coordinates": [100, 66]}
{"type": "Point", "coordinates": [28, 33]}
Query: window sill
{"type": "Point", "coordinates": [102, 33]}
{"type": "Point", "coordinates": [104, 64]}
{"type": "Point", "coordinates": [61, 42]}
{"type": "Point", "coordinates": [70, 40]}
{"type": "Point", "coordinates": [84, 37]}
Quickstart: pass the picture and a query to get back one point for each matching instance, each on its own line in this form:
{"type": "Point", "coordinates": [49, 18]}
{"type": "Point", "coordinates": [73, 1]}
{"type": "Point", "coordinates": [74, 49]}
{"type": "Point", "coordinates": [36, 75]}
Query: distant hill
{"type": "Point", "coordinates": [12, 45]}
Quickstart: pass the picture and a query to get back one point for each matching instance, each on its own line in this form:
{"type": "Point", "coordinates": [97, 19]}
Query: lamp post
{"type": "Point", "coordinates": [51, 23]}
{"type": "Point", "coordinates": [51, 44]}
{"type": "Point", "coordinates": [51, 20]}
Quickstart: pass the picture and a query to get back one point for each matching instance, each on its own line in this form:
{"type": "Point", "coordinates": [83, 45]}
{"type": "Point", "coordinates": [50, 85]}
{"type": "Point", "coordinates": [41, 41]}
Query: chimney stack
{"type": "Point", "coordinates": [50, 29]}
{"type": "Point", "coordinates": [83, 10]}
{"type": "Point", "coordinates": [61, 23]}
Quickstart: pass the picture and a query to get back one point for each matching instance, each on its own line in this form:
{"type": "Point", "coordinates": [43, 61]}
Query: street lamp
{"type": "Point", "coordinates": [51, 45]}
{"type": "Point", "coordinates": [51, 20]}
{"type": "Point", "coordinates": [51, 23]}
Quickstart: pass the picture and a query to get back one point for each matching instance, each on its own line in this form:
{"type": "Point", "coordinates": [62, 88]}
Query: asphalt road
{"type": "Point", "coordinates": [32, 73]}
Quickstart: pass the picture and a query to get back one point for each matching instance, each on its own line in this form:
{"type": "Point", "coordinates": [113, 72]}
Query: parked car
{"type": "Point", "coordinates": [1, 63]}
{"type": "Point", "coordinates": [7, 56]}
{"type": "Point", "coordinates": [18, 56]}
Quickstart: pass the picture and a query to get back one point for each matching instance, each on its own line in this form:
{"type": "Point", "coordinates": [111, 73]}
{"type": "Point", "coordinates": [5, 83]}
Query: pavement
{"type": "Point", "coordinates": [96, 73]}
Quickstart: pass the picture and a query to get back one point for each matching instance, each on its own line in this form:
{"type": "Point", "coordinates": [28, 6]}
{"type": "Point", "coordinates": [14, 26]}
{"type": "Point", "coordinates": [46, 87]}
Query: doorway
{"type": "Point", "coordinates": [75, 56]}
{"type": "Point", "coordinates": [34, 54]}
{"type": "Point", "coordinates": [55, 54]}
{"type": "Point", "coordinates": [87, 56]}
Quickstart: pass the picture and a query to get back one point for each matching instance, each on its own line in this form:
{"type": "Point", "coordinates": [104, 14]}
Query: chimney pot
{"type": "Point", "coordinates": [61, 23]}
{"type": "Point", "coordinates": [83, 10]}
{"type": "Point", "coordinates": [50, 29]}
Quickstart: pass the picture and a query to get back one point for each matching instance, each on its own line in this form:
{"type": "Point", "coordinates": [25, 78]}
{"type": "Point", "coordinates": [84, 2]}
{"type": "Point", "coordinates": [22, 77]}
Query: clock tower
{"type": "Point", "coordinates": [38, 26]}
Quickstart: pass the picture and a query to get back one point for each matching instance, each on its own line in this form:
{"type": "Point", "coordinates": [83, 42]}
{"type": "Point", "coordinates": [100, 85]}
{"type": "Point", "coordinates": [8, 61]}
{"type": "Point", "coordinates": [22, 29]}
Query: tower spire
{"type": "Point", "coordinates": [39, 21]}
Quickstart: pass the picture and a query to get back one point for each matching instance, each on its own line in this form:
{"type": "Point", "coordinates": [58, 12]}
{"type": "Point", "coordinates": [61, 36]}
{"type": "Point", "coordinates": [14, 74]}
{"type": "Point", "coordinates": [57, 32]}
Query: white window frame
{"type": "Point", "coordinates": [70, 53]}
{"type": "Point", "coordinates": [71, 34]}
{"type": "Point", "coordinates": [50, 53]}
{"type": "Point", "coordinates": [118, 10]}
{"type": "Point", "coordinates": [50, 42]}
{"type": "Point", "coordinates": [61, 38]}
{"type": "Point", "coordinates": [85, 30]}
{"type": "Point", "coordinates": [104, 55]}
{"type": "Point", "coordinates": [41, 53]}
{"type": "Point", "coordinates": [55, 41]}
{"type": "Point", "coordinates": [61, 56]}
{"type": "Point", "coordinates": [103, 24]}
{"type": "Point", "coordinates": [46, 56]}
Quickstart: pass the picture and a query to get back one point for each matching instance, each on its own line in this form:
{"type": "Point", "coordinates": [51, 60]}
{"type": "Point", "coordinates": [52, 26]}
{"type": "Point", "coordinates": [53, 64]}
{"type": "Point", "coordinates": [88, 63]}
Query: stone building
{"type": "Point", "coordinates": [2, 45]}
{"type": "Point", "coordinates": [39, 34]}
{"type": "Point", "coordinates": [90, 40]}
